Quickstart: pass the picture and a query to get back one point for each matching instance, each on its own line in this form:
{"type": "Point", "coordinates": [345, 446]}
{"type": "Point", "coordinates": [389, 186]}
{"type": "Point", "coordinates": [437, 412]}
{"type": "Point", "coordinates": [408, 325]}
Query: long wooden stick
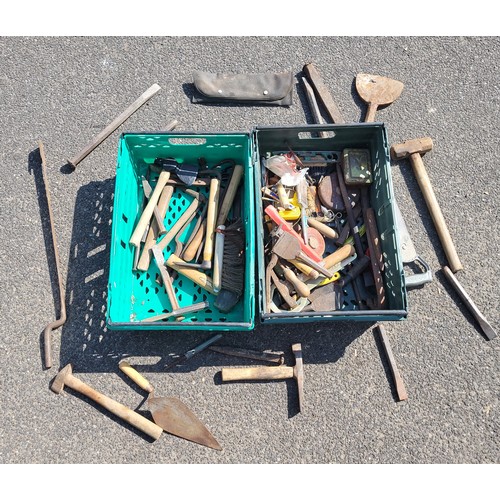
{"type": "Point", "coordinates": [114, 125]}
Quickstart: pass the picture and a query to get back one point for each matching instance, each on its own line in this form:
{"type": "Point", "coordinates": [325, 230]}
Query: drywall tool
{"type": "Point", "coordinates": [414, 149]}
{"type": "Point", "coordinates": [272, 373]}
{"type": "Point", "coordinates": [171, 414]}
{"type": "Point", "coordinates": [409, 254]}
{"type": "Point", "coordinates": [479, 317]}
{"type": "Point", "coordinates": [377, 91]}
{"type": "Point", "coordinates": [398, 380]}
{"type": "Point", "coordinates": [192, 352]}
{"type": "Point", "coordinates": [73, 162]}
{"type": "Point", "coordinates": [277, 359]}
{"type": "Point", "coordinates": [66, 378]}
{"type": "Point", "coordinates": [323, 93]}
{"type": "Point", "coordinates": [47, 332]}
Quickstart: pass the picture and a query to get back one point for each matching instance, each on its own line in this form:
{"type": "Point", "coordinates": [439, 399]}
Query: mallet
{"type": "Point", "coordinates": [415, 149]}
{"type": "Point", "coordinates": [66, 377]}
{"type": "Point", "coordinates": [271, 373]}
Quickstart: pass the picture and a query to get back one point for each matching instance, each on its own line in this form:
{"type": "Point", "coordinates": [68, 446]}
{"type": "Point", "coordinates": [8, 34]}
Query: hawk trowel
{"type": "Point", "coordinates": [409, 254]}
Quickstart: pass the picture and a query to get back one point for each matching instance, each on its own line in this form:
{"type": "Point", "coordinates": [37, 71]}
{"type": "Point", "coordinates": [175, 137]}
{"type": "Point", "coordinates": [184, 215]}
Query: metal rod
{"type": "Point", "coordinates": [47, 332]}
{"type": "Point", "coordinates": [114, 125]}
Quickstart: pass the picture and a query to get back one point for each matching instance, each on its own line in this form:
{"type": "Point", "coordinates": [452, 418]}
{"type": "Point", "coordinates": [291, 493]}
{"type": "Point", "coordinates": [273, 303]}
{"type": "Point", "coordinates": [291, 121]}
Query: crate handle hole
{"type": "Point", "coordinates": [193, 141]}
{"type": "Point", "coordinates": [327, 134]}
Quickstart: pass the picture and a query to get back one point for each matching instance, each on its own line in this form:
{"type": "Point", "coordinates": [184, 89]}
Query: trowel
{"type": "Point", "coordinates": [171, 414]}
{"type": "Point", "coordinates": [409, 254]}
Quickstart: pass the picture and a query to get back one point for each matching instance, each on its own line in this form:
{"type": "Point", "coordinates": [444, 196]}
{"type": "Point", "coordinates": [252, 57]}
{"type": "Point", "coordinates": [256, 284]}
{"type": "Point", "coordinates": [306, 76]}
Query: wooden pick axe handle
{"type": "Point", "coordinates": [213, 202]}
{"type": "Point", "coordinates": [231, 190]}
{"type": "Point", "coordinates": [257, 373]}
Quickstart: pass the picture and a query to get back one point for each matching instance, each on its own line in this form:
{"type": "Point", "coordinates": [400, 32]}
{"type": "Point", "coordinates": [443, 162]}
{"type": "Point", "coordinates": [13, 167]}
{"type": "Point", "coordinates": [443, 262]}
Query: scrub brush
{"type": "Point", "coordinates": [233, 267]}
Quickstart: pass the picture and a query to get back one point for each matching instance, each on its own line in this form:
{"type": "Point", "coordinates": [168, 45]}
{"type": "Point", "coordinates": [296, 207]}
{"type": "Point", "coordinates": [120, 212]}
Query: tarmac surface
{"type": "Point", "coordinates": [64, 91]}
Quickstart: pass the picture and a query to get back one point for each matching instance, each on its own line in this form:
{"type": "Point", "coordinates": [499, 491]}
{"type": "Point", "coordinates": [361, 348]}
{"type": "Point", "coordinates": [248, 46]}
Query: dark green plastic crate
{"type": "Point", "coordinates": [372, 136]}
{"type": "Point", "coordinates": [134, 295]}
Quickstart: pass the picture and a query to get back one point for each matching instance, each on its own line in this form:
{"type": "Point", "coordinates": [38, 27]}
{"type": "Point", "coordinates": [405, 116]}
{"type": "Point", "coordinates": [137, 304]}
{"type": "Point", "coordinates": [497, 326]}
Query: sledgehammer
{"type": "Point", "coordinates": [415, 149]}
{"type": "Point", "coordinates": [271, 373]}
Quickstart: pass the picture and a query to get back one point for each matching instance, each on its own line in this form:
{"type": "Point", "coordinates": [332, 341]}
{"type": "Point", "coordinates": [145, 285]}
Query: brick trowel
{"type": "Point", "coordinates": [171, 414]}
{"type": "Point", "coordinates": [409, 254]}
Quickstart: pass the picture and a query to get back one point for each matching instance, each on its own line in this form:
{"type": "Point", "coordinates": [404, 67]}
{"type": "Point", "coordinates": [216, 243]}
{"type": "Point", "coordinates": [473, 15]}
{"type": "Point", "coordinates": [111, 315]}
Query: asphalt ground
{"type": "Point", "coordinates": [64, 91]}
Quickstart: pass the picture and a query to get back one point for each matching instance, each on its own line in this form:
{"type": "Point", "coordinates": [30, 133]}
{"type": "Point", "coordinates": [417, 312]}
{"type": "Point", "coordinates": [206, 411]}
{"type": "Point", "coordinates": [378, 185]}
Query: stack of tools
{"type": "Point", "coordinates": [190, 227]}
{"type": "Point", "coordinates": [321, 240]}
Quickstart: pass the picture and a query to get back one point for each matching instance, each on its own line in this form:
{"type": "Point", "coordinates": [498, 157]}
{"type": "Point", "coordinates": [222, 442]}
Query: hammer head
{"type": "Point", "coordinates": [408, 148]}
{"type": "Point", "coordinates": [60, 380]}
{"type": "Point", "coordinates": [298, 371]}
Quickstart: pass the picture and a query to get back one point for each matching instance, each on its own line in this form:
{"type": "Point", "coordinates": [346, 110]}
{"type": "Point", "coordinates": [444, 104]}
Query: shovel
{"type": "Point", "coordinates": [171, 414]}
{"type": "Point", "coordinates": [377, 91]}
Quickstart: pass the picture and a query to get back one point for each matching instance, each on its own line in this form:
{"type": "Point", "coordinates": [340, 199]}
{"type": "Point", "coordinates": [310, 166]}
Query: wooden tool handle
{"type": "Point", "coordinates": [323, 228]}
{"type": "Point", "coordinates": [304, 268]}
{"type": "Point", "coordinates": [281, 191]}
{"type": "Point", "coordinates": [192, 249]}
{"type": "Point", "coordinates": [134, 375]}
{"type": "Point", "coordinates": [213, 201]}
{"type": "Point", "coordinates": [338, 256]}
{"type": "Point", "coordinates": [198, 277]}
{"type": "Point", "coordinates": [370, 114]}
{"type": "Point", "coordinates": [301, 288]}
{"type": "Point", "coordinates": [435, 211]}
{"type": "Point", "coordinates": [154, 233]}
{"type": "Point", "coordinates": [231, 190]}
{"type": "Point", "coordinates": [121, 411]}
{"type": "Point", "coordinates": [135, 239]}
{"type": "Point", "coordinates": [257, 373]}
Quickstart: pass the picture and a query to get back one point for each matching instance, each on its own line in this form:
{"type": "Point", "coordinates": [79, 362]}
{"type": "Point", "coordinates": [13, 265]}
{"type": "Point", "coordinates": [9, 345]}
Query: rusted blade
{"type": "Point", "coordinates": [174, 417]}
{"type": "Point", "coordinates": [378, 90]}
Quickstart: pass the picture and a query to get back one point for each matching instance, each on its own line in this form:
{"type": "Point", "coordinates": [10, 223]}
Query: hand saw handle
{"type": "Point", "coordinates": [283, 224]}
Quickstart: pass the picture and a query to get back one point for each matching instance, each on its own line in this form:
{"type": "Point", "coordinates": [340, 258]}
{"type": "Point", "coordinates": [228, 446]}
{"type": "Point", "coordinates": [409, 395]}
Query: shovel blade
{"type": "Point", "coordinates": [378, 89]}
{"type": "Point", "coordinates": [174, 417]}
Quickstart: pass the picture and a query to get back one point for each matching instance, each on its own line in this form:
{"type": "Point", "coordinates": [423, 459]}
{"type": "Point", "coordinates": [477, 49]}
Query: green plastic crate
{"type": "Point", "coordinates": [372, 136]}
{"type": "Point", "coordinates": [135, 295]}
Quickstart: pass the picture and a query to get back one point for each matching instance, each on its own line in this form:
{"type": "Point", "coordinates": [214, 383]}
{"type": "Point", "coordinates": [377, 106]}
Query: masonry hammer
{"type": "Point", "coordinates": [271, 373]}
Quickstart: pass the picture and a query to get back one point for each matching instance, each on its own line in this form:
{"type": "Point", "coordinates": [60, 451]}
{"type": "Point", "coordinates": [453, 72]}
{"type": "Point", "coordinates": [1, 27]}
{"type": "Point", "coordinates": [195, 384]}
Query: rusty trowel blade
{"type": "Point", "coordinates": [174, 417]}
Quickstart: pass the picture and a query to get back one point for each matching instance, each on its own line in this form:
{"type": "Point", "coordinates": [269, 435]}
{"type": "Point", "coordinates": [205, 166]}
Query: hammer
{"type": "Point", "coordinates": [66, 377]}
{"type": "Point", "coordinates": [415, 149]}
{"type": "Point", "coordinates": [271, 373]}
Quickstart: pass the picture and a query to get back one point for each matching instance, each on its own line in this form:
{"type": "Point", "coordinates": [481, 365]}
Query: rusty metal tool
{"type": "Point", "coordinates": [47, 332]}
{"type": "Point", "coordinates": [377, 91]}
{"type": "Point", "coordinates": [415, 149]}
{"type": "Point", "coordinates": [171, 414]}
{"type": "Point", "coordinates": [479, 317]}
{"type": "Point", "coordinates": [398, 380]}
{"type": "Point", "coordinates": [277, 359]}
{"type": "Point", "coordinates": [313, 105]}
{"type": "Point", "coordinates": [283, 290]}
{"type": "Point", "coordinates": [192, 352]}
{"type": "Point", "coordinates": [73, 162]}
{"type": "Point", "coordinates": [376, 258]}
{"type": "Point", "coordinates": [272, 373]}
{"type": "Point", "coordinates": [323, 93]}
{"type": "Point", "coordinates": [66, 378]}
